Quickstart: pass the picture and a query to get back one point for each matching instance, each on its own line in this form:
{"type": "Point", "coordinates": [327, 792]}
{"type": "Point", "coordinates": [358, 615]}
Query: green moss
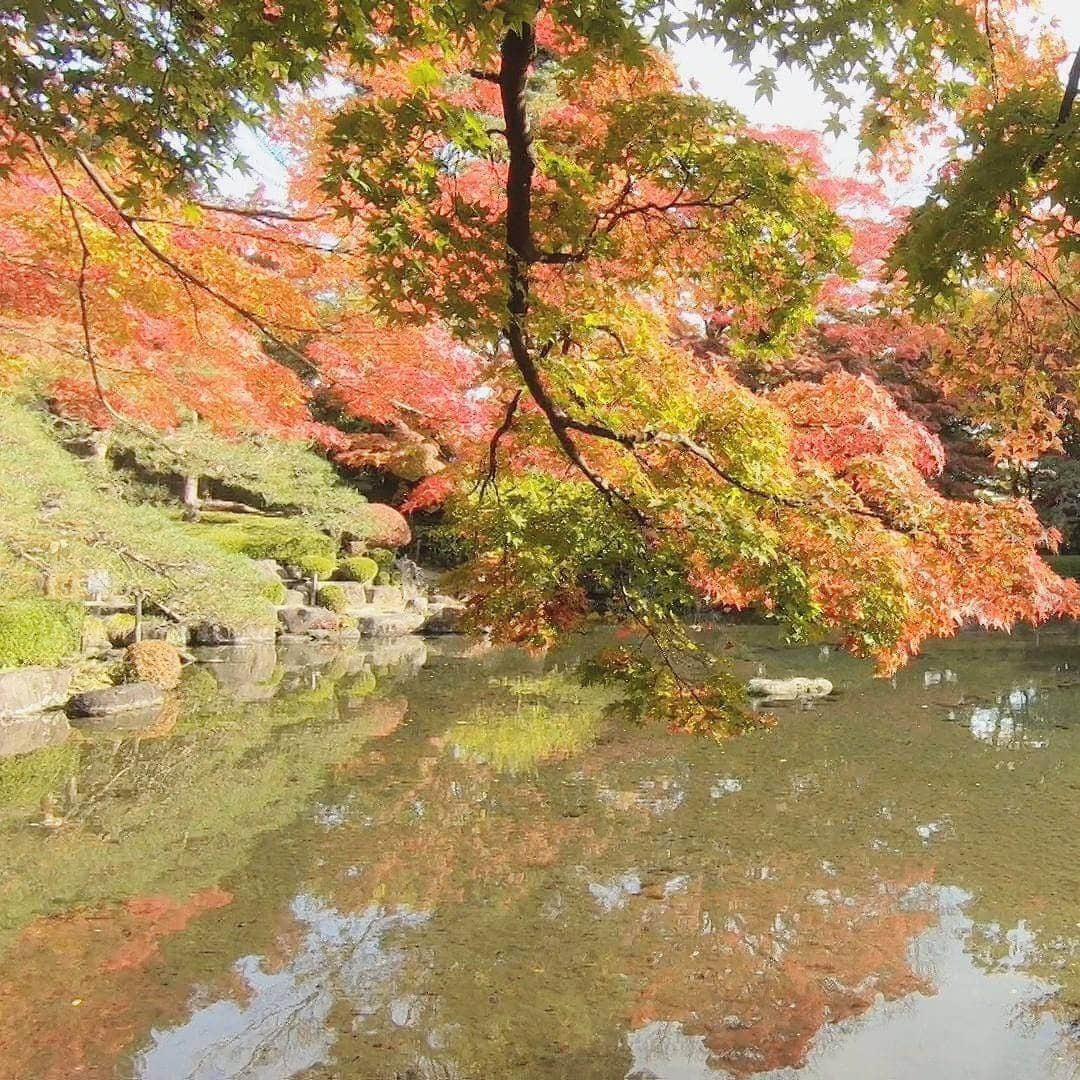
{"type": "Point", "coordinates": [272, 472]}
{"type": "Point", "coordinates": [274, 591]}
{"type": "Point", "coordinates": [140, 548]}
{"type": "Point", "coordinates": [358, 568]}
{"type": "Point", "coordinates": [333, 597]}
{"type": "Point", "coordinates": [382, 557]}
{"type": "Point", "coordinates": [285, 540]}
{"type": "Point", "coordinates": [38, 631]}
{"type": "Point", "coordinates": [120, 628]}
{"type": "Point", "coordinates": [90, 673]}
{"type": "Point", "coordinates": [95, 637]}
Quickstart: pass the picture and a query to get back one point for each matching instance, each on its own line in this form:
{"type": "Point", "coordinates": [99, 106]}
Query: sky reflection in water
{"type": "Point", "coordinates": [306, 875]}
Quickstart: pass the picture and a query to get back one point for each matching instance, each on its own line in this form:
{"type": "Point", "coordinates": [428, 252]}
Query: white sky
{"type": "Point", "coordinates": [795, 104]}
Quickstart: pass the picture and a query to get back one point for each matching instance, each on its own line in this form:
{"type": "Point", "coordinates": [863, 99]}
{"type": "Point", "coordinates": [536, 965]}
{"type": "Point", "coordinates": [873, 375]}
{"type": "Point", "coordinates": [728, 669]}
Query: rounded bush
{"type": "Point", "coordinates": [382, 557]}
{"type": "Point", "coordinates": [274, 591]}
{"type": "Point", "coordinates": [120, 628]}
{"type": "Point", "coordinates": [152, 661]}
{"type": "Point", "coordinates": [333, 597]}
{"type": "Point", "coordinates": [385, 526]}
{"type": "Point", "coordinates": [359, 568]}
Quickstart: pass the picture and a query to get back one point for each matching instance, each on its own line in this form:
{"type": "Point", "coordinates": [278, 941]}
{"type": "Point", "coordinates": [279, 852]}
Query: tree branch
{"type": "Point", "coordinates": [1072, 89]}
{"type": "Point", "coordinates": [181, 272]}
{"type": "Point", "coordinates": [493, 447]}
{"type": "Point", "coordinates": [84, 261]}
{"type": "Point", "coordinates": [260, 213]}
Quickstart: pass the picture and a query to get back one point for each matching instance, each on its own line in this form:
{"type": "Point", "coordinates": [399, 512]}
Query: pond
{"type": "Point", "coordinates": [441, 860]}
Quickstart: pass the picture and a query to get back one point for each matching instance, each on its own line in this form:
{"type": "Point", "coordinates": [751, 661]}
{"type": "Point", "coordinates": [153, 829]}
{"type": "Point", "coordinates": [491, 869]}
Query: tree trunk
{"type": "Point", "coordinates": [190, 497]}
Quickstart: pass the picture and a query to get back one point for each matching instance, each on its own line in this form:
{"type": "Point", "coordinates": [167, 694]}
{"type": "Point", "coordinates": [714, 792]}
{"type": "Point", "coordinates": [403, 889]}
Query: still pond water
{"type": "Point", "coordinates": [440, 861]}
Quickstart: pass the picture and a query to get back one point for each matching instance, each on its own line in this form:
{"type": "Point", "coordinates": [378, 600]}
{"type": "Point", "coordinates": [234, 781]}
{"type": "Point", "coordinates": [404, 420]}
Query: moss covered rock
{"type": "Point", "coordinates": [95, 637]}
{"type": "Point", "coordinates": [39, 631]}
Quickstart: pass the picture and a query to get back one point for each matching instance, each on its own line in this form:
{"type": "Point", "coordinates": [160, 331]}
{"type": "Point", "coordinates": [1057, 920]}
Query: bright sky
{"type": "Point", "coordinates": [795, 104]}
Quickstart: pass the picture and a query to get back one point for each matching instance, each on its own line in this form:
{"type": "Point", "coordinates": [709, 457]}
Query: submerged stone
{"type": "Point", "coordinates": [789, 689]}
{"type": "Point", "coordinates": [216, 634]}
{"type": "Point", "coordinates": [147, 720]}
{"type": "Point", "coordinates": [444, 615]}
{"type": "Point", "coordinates": [21, 735]}
{"type": "Point", "coordinates": [114, 699]}
{"type": "Point", "coordinates": [390, 623]}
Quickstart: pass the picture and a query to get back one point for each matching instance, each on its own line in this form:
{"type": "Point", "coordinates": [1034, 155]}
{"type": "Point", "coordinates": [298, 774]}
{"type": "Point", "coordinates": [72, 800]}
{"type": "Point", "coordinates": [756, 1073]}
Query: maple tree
{"type": "Point", "coordinates": [495, 235]}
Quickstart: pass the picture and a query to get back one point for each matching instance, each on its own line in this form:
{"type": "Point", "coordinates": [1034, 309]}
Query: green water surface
{"type": "Point", "coordinates": [442, 861]}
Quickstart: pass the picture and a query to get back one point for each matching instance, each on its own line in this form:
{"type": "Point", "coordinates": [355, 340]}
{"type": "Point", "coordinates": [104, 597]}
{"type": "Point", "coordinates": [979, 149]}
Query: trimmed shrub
{"type": "Point", "coordinates": [152, 661]}
{"type": "Point", "coordinates": [387, 562]}
{"type": "Point", "coordinates": [385, 526]}
{"type": "Point", "coordinates": [333, 597]}
{"type": "Point", "coordinates": [120, 629]}
{"type": "Point", "coordinates": [39, 631]}
{"type": "Point", "coordinates": [283, 539]}
{"type": "Point", "coordinates": [359, 568]}
{"type": "Point", "coordinates": [274, 591]}
{"type": "Point", "coordinates": [382, 557]}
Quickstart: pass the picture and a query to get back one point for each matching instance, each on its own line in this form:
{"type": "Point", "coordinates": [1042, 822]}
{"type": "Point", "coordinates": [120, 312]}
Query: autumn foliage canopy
{"type": "Point", "coordinates": [643, 355]}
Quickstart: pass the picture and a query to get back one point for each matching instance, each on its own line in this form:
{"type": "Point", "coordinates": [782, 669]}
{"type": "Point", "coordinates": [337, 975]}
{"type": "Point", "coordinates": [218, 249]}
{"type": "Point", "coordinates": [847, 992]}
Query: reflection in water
{"type": "Point", "coordinates": [336, 864]}
{"type": "Point", "coordinates": [279, 1027]}
{"type": "Point", "coordinates": [962, 1023]}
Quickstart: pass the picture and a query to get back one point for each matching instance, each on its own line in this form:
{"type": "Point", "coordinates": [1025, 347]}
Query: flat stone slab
{"type": "Point", "coordinates": [387, 597]}
{"type": "Point", "coordinates": [444, 616]}
{"type": "Point", "coordinates": [355, 593]}
{"type": "Point", "coordinates": [28, 690]}
{"type": "Point", "coordinates": [116, 699]}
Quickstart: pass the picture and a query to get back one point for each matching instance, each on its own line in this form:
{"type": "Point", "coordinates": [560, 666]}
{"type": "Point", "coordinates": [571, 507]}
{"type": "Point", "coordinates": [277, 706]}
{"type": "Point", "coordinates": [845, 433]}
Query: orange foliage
{"type": "Point", "coordinates": [107, 958]}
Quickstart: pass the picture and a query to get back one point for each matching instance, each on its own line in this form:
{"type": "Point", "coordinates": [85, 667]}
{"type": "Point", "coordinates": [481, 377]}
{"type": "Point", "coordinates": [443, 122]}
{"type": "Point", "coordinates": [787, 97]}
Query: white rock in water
{"type": "Point", "coordinates": [789, 689]}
